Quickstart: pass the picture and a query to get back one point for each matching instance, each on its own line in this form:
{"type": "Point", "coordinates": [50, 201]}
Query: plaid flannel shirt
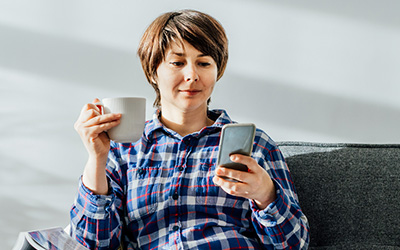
{"type": "Point", "coordinates": [162, 197]}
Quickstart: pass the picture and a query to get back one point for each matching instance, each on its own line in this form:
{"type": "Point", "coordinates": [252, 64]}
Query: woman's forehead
{"type": "Point", "coordinates": [182, 49]}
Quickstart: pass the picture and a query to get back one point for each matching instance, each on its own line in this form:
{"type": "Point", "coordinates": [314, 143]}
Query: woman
{"type": "Point", "coordinates": [165, 190]}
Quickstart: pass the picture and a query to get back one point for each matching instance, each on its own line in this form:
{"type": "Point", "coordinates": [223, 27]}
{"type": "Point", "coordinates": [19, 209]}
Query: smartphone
{"type": "Point", "coordinates": [235, 139]}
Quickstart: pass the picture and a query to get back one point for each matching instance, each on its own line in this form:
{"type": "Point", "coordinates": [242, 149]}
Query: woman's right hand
{"type": "Point", "coordinates": [91, 126]}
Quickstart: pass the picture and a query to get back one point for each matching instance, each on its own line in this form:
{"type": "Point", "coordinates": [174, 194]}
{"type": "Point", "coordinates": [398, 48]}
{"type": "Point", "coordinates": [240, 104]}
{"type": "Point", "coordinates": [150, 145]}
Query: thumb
{"type": "Point", "coordinates": [96, 101]}
{"type": "Point", "coordinates": [99, 105]}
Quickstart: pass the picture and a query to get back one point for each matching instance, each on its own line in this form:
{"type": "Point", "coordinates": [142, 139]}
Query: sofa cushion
{"type": "Point", "coordinates": [350, 193]}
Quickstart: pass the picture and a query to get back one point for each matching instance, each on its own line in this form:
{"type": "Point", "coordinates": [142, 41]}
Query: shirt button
{"type": "Point", "coordinates": [175, 228]}
{"type": "Point", "coordinates": [175, 196]}
{"type": "Point", "coordinates": [180, 168]}
{"type": "Point", "coordinates": [140, 171]}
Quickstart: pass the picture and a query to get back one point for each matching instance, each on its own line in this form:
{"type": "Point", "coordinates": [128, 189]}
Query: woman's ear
{"type": "Point", "coordinates": [153, 79]}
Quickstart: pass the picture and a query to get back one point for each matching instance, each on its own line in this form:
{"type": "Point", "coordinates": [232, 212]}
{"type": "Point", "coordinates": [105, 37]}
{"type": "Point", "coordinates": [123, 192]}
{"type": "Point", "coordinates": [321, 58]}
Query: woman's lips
{"type": "Point", "coordinates": [190, 91]}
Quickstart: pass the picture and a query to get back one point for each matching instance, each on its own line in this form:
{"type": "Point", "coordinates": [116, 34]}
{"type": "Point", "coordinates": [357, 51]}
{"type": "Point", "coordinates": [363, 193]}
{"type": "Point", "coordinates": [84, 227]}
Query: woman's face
{"type": "Point", "coordinates": [186, 79]}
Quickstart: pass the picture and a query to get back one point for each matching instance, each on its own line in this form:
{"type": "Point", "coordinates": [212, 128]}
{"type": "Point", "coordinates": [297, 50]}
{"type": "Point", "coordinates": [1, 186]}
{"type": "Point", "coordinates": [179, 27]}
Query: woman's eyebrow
{"type": "Point", "coordinates": [182, 54]}
{"type": "Point", "coordinates": [203, 55]}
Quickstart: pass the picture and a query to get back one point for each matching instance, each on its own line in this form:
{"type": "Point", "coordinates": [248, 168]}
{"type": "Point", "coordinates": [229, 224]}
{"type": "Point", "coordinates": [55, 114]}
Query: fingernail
{"type": "Point", "coordinates": [233, 157]}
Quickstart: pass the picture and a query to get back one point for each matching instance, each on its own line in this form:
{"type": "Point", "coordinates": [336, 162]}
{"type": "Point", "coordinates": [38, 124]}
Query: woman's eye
{"type": "Point", "coordinates": [176, 63]}
{"type": "Point", "coordinates": [204, 64]}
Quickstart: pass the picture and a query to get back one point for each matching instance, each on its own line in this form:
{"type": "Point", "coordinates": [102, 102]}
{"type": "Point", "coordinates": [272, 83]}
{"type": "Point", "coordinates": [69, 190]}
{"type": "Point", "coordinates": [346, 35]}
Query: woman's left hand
{"type": "Point", "coordinates": [255, 184]}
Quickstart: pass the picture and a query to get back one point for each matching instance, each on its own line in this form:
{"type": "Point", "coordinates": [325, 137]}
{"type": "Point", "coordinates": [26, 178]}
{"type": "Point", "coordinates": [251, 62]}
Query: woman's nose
{"type": "Point", "coordinates": [191, 74]}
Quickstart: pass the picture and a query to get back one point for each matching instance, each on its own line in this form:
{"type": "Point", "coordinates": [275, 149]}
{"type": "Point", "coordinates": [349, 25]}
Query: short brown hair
{"type": "Point", "coordinates": [198, 29]}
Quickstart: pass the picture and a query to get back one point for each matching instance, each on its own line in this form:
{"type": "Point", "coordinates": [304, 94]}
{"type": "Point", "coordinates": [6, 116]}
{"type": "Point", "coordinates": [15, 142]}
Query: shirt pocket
{"type": "Point", "coordinates": [143, 191]}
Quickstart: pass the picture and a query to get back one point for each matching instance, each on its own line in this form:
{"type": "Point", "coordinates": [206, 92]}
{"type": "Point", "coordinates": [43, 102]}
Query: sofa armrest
{"type": "Point", "coordinates": [350, 193]}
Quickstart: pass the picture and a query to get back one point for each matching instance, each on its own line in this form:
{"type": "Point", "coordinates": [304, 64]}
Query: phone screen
{"type": "Point", "coordinates": [235, 139]}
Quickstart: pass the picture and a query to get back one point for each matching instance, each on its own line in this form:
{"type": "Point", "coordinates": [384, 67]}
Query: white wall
{"type": "Point", "coordinates": [305, 70]}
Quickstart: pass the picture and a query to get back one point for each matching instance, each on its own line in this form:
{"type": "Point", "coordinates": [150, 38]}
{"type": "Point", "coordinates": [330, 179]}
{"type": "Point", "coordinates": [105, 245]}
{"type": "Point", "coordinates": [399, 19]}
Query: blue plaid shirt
{"type": "Point", "coordinates": [162, 197]}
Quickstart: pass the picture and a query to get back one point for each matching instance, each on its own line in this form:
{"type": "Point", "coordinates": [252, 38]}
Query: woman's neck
{"type": "Point", "coordinates": [185, 123]}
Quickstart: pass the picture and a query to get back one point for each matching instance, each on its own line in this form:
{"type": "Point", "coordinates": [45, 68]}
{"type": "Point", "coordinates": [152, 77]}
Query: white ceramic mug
{"type": "Point", "coordinates": [133, 110]}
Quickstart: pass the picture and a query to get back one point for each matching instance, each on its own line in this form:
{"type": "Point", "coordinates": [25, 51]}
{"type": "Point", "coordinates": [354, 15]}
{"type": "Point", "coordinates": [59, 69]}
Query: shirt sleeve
{"type": "Point", "coordinates": [96, 219]}
{"type": "Point", "coordinates": [282, 223]}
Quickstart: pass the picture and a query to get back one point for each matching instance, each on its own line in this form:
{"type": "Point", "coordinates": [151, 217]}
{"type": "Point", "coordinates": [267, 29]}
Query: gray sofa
{"type": "Point", "coordinates": [350, 193]}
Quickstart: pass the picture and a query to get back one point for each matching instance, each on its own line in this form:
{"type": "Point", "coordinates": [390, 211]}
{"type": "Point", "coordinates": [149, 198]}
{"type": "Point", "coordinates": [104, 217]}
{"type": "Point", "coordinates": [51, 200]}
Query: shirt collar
{"type": "Point", "coordinates": [220, 117]}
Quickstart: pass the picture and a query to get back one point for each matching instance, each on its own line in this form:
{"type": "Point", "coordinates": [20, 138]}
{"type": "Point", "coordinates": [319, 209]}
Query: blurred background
{"type": "Point", "coordinates": [304, 70]}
